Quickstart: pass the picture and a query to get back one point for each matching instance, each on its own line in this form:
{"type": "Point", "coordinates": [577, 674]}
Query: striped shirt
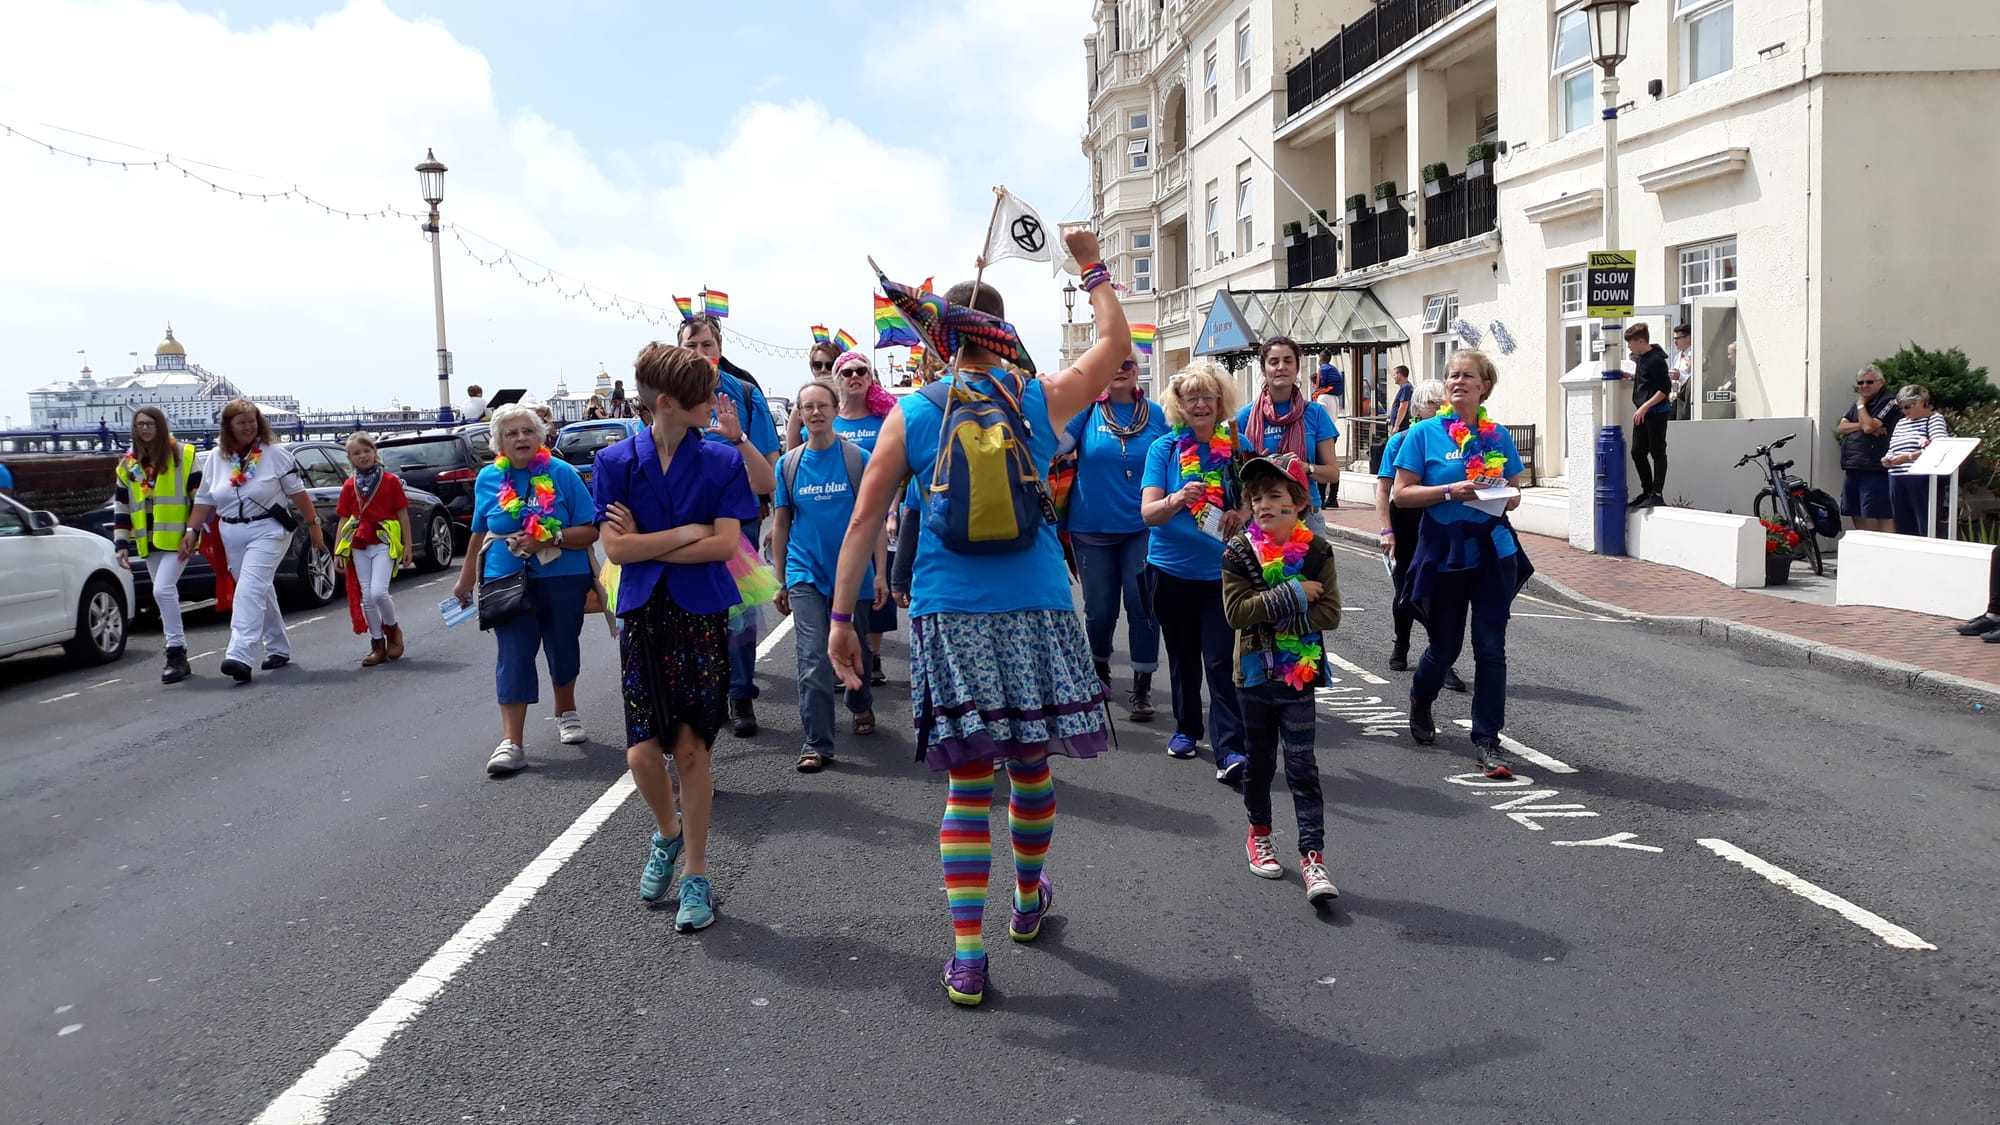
{"type": "Point", "coordinates": [1911, 435]}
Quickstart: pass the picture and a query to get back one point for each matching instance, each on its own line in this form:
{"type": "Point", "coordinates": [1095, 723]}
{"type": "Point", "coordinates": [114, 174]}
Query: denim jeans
{"type": "Point", "coordinates": [554, 629]}
{"type": "Point", "coordinates": [743, 645]}
{"type": "Point", "coordinates": [1279, 719]}
{"type": "Point", "coordinates": [1483, 595]}
{"type": "Point", "coordinates": [817, 683]}
{"type": "Point", "coordinates": [1198, 638]}
{"type": "Point", "coordinates": [1909, 495]}
{"type": "Point", "coordinates": [1110, 567]}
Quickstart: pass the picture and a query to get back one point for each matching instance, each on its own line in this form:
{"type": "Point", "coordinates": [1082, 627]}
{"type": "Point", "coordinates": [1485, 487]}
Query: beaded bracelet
{"type": "Point", "coordinates": [1095, 275]}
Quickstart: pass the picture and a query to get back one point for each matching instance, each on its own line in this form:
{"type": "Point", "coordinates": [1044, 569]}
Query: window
{"type": "Point", "coordinates": [1570, 291]}
{"type": "Point", "coordinates": [1441, 349]}
{"type": "Point", "coordinates": [12, 526]}
{"type": "Point", "coordinates": [1208, 80]}
{"type": "Point", "coordinates": [1142, 240]}
{"type": "Point", "coordinates": [1572, 70]}
{"type": "Point", "coordinates": [1708, 268]}
{"type": "Point", "coordinates": [1440, 309]}
{"type": "Point", "coordinates": [319, 470]}
{"type": "Point", "coordinates": [1242, 55]}
{"type": "Point", "coordinates": [1214, 224]}
{"type": "Point", "coordinates": [1708, 38]}
{"type": "Point", "coordinates": [1245, 235]}
{"type": "Point", "coordinates": [1136, 152]}
{"type": "Point", "coordinates": [1136, 122]}
{"type": "Point", "coordinates": [1142, 275]}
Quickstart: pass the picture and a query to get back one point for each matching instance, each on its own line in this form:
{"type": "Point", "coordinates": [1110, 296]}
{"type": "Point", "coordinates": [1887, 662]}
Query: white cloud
{"type": "Point", "coordinates": [285, 299]}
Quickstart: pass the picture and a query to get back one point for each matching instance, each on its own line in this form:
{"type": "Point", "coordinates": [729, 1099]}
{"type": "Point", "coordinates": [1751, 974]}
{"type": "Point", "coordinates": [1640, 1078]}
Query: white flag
{"type": "Point", "coordinates": [1019, 232]}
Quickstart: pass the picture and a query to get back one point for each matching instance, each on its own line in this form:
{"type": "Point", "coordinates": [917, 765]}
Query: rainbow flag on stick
{"type": "Point", "coordinates": [821, 335]}
{"type": "Point", "coordinates": [916, 355]}
{"type": "Point", "coordinates": [847, 343]}
{"type": "Point", "coordinates": [715, 304]}
{"type": "Point", "coordinates": [1143, 336]}
{"type": "Point", "coordinates": [891, 330]}
{"type": "Point", "coordinates": [686, 305]}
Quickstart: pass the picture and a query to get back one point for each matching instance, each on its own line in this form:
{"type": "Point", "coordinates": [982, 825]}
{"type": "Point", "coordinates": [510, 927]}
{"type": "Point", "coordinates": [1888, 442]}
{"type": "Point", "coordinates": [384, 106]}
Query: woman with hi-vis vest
{"type": "Point", "coordinates": [374, 538]}
{"type": "Point", "coordinates": [157, 479]}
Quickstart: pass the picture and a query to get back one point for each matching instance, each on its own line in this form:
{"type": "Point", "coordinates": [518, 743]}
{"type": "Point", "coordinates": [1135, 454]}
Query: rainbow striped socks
{"type": "Point", "coordinates": [1031, 822]}
{"type": "Point", "coordinates": [965, 844]}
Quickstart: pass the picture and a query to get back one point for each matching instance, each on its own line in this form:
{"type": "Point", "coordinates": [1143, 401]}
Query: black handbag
{"type": "Point", "coordinates": [503, 599]}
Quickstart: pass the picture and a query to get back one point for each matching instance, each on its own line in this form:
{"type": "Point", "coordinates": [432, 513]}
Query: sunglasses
{"type": "Point", "coordinates": [1868, 382]}
{"type": "Point", "coordinates": [821, 365]}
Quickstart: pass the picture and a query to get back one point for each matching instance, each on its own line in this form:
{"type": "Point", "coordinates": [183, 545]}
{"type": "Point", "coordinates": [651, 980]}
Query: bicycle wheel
{"type": "Point", "coordinates": [1799, 518]}
{"type": "Point", "coordinates": [1764, 499]}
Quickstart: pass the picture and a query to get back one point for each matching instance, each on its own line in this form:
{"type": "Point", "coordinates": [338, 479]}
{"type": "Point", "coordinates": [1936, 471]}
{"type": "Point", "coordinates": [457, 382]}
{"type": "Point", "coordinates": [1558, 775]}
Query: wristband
{"type": "Point", "coordinates": [1095, 275]}
{"type": "Point", "coordinates": [1388, 531]}
{"type": "Point", "coordinates": [843, 618]}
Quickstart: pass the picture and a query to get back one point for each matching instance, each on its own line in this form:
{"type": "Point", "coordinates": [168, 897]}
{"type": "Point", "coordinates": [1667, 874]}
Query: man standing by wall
{"type": "Point", "coordinates": [1864, 441]}
{"type": "Point", "coordinates": [1653, 407]}
{"type": "Point", "coordinates": [1399, 407]}
{"type": "Point", "coordinates": [1683, 373]}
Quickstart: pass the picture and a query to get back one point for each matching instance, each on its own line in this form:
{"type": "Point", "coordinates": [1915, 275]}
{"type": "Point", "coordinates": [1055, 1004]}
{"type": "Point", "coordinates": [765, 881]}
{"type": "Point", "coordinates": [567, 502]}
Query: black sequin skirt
{"type": "Point", "coordinates": [675, 670]}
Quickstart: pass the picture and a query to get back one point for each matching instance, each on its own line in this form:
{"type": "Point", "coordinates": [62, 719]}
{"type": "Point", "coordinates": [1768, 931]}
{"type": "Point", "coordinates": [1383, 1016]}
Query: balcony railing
{"type": "Point", "coordinates": [1379, 33]}
{"type": "Point", "coordinates": [1171, 174]}
{"type": "Point", "coordinates": [1314, 259]}
{"type": "Point", "coordinates": [1173, 306]}
{"type": "Point", "coordinates": [1466, 208]}
{"type": "Point", "coordinates": [1378, 238]}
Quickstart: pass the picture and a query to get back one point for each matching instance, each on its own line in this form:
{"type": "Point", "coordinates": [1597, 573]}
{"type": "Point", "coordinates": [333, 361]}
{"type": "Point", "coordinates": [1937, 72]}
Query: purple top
{"type": "Point", "coordinates": [704, 483]}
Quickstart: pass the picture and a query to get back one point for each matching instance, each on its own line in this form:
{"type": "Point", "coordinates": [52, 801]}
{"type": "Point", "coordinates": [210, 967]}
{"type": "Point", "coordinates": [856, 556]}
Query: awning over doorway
{"type": "Point", "coordinates": [1319, 319]}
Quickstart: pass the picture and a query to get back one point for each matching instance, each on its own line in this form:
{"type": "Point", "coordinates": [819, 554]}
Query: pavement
{"type": "Point", "coordinates": [1723, 888]}
{"type": "Point", "coordinates": [1894, 647]}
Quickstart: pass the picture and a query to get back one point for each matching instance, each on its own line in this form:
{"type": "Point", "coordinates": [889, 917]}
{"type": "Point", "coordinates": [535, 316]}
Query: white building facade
{"type": "Point", "coordinates": [190, 395]}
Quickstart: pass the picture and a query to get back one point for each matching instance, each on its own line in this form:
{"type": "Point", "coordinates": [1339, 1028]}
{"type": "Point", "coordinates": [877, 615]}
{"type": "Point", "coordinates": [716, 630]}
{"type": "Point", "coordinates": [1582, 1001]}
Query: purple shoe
{"type": "Point", "coordinates": [965, 981]}
{"type": "Point", "coordinates": [1026, 925]}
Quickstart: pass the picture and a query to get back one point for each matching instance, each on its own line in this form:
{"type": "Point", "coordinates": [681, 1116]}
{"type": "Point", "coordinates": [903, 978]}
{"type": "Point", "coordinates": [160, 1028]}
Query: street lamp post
{"type": "Point", "coordinates": [1610, 24]}
{"type": "Point", "coordinates": [1069, 302]}
{"type": "Point", "coordinates": [430, 174]}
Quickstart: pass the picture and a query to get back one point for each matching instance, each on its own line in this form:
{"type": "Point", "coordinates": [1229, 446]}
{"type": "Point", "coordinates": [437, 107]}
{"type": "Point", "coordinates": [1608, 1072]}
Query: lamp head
{"type": "Point", "coordinates": [430, 175]}
{"type": "Point", "coordinates": [1610, 31]}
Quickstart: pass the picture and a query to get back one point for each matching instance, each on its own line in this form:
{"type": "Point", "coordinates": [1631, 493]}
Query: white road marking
{"type": "Point", "coordinates": [311, 620]}
{"type": "Point", "coordinates": [200, 655]}
{"type": "Point", "coordinates": [63, 696]}
{"type": "Point", "coordinates": [310, 1098]}
{"type": "Point", "coordinates": [106, 683]}
{"type": "Point", "coordinates": [1522, 749]}
{"type": "Point", "coordinates": [1874, 923]}
{"type": "Point", "coordinates": [1619, 840]}
{"type": "Point", "coordinates": [1367, 677]}
{"type": "Point", "coordinates": [428, 585]}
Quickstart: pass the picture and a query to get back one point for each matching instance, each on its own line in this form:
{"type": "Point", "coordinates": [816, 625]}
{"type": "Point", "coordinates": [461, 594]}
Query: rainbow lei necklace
{"type": "Point", "coordinates": [1194, 464]}
{"type": "Point", "coordinates": [246, 465]}
{"type": "Point", "coordinates": [1298, 659]}
{"type": "Point", "coordinates": [1483, 459]}
{"type": "Point", "coordinates": [536, 519]}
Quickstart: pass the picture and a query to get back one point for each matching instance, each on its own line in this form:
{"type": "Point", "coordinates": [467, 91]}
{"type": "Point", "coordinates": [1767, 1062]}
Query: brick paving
{"type": "Point", "coordinates": [1640, 587]}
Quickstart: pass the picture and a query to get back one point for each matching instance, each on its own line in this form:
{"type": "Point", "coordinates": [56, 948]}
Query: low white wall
{"type": "Point", "coordinates": [1701, 461]}
{"type": "Point", "coordinates": [1727, 548]}
{"type": "Point", "coordinates": [1932, 576]}
{"type": "Point", "coordinates": [1542, 511]}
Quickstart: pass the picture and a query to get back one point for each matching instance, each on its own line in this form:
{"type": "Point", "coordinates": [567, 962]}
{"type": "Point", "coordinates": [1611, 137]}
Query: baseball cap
{"type": "Point", "coordinates": [1282, 466]}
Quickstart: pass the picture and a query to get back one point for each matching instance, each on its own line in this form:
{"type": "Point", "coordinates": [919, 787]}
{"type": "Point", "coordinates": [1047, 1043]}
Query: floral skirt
{"type": "Point", "coordinates": [675, 669]}
{"type": "Point", "coordinates": [994, 686]}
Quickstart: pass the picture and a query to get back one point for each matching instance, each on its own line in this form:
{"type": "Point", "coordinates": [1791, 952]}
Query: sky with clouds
{"type": "Point", "coordinates": [646, 148]}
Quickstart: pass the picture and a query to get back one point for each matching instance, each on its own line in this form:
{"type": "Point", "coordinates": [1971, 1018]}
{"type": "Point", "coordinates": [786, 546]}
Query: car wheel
{"type": "Point", "coordinates": [441, 544]}
{"type": "Point", "coordinates": [318, 578]}
{"type": "Point", "coordinates": [101, 621]}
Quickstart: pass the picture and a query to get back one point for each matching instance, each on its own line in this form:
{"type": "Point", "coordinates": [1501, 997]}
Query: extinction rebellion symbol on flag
{"type": "Point", "coordinates": [1028, 234]}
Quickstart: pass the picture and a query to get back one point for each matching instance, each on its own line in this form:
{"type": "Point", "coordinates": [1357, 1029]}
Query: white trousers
{"type": "Point", "coordinates": [255, 550]}
{"type": "Point", "coordinates": [373, 568]}
{"type": "Point", "coordinates": [165, 568]}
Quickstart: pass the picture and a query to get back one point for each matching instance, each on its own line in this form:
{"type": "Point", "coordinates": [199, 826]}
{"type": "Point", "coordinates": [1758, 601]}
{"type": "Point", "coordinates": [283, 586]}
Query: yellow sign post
{"type": "Point", "coordinates": [1612, 279]}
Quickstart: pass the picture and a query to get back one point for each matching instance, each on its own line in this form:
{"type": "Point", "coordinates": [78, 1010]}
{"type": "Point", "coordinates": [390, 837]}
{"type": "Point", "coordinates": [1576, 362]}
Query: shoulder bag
{"type": "Point", "coordinates": [503, 599]}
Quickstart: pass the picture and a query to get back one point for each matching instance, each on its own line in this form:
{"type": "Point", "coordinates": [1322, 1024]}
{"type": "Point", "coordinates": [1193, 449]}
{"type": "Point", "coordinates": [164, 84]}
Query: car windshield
{"type": "Point", "coordinates": [587, 439]}
{"type": "Point", "coordinates": [417, 456]}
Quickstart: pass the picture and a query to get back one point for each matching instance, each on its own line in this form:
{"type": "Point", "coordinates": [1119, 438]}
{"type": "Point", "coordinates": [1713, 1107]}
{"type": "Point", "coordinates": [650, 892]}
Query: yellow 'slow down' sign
{"type": "Point", "coordinates": [1612, 276]}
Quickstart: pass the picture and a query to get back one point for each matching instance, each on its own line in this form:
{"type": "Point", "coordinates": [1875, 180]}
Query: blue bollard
{"type": "Point", "coordinates": [1610, 491]}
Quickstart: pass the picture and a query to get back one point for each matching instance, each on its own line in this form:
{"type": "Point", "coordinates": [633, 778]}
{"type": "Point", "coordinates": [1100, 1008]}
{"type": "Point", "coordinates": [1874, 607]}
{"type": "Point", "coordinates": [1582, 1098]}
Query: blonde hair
{"type": "Point", "coordinates": [509, 413]}
{"type": "Point", "coordinates": [1482, 366]}
{"type": "Point", "coordinates": [1426, 399]}
{"type": "Point", "coordinates": [362, 438]}
{"type": "Point", "coordinates": [1203, 378]}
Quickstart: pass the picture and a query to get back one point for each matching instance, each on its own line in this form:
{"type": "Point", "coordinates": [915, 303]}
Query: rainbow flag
{"type": "Point", "coordinates": [715, 304]}
{"type": "Point", "coordinates": [916, 356]}
{"type": "Point", "coordinates": [1143, 336]}
{"type": "Point", "coordinates": [686, 306]}
{"type": "Point", "coordinates": [928, 282]}
{"type": "Point", "coordinates": [847, 343]}
{"type": "Point", "coordinates": [891, 330]}
{"type": "Point", "coordinates": [820, 335]}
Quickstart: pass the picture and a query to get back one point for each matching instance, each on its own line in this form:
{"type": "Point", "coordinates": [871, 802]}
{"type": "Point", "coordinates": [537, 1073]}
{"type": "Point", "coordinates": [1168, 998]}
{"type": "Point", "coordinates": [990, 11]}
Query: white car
{"type": "Point", "coordinates": [60, 585]}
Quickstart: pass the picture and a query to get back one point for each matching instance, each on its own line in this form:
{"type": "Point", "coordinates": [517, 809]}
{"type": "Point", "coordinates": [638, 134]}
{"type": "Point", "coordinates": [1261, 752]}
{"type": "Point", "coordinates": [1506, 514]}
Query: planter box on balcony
{"type": "Point", "coordinates": [1478, 169]}
{"type": "Point", "coordinates": [1354, 214]}
{"type": "Point", "coordinates": [1386, 205]}
{"type": "Point", "coordinates": [1433, 189]}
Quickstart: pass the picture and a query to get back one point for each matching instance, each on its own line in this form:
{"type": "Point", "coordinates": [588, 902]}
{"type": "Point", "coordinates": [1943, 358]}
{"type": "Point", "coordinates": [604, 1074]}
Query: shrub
{"type": "Point", "coordinates": [1953, 382]}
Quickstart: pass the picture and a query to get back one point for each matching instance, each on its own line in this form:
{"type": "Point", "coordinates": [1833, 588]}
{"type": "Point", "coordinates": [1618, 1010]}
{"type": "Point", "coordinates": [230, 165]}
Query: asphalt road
{"type": "Point", "coordinates": [207, 887]}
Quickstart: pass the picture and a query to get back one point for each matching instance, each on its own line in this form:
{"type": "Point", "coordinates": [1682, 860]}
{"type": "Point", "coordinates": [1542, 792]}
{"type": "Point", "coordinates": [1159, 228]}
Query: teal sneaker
{"type": "Point", "coordinates": [659, 868]}
{"type": "Point", "coordinates": [697, 905]}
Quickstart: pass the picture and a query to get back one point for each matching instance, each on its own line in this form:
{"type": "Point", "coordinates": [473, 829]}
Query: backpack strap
{"type": "Point", "coordinates": [788, 470]}
{"type": "Point", "coordinates": [851, 454]}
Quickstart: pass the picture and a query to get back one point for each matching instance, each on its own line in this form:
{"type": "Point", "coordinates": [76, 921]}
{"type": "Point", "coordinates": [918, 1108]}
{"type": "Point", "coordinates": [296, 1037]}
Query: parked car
{"type": "Point", "coordinates": [305, 579]}
{"type": "Point", "coordinates": [443, 463]}
{"type": "Point", "coordinates": [580, 442]}
{"type": "Point", "coordinates": [64, 586]}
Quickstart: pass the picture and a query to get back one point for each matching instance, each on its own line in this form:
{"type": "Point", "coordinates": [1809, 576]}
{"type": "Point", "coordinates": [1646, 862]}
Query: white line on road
{"type": "Point", "coordinates": [310, 1098]}
{"type": "Point", "coordinates": [63, 696]}
{"type": "Point", "coordinates": [1367, 677]}
{"type": "Point", "coordinates": [312, 620]}
{"type": "Point", "coordinates": [106, 683]}
{"type": "Point", "coordinates": [200, 655]}
{"type": "Point", "coordinates": [1526, 751]}
{"type": "Point", "coordinates": [1868, 920]}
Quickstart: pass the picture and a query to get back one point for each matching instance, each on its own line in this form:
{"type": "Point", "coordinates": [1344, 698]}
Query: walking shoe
{"type": "Point", "coordinates": [1651, 500]}
{"type": "Point", "coordinates": [1263, 857]}
{"type": "Point", "coordinates": [1319, 888]}
{"type": "Point", "coordinates": [1399, 660]}
{"type": "Point", "coordinates": [1422, 727]}
{"type": "Point", "coordinates": [1979, 626]}
{"type": "Point", "coordinates": [1637, 502]}
{"type": "Point", "coordinates": [1140, 703]}
{"type": "Point", "coordinates": [697, 905]}
{"type": "Point", "coordinates": [1453, 683]}
{"type": "Point", "coordinates": [378, 653]}
{"type": "Point", "coordinates": [965, 981]}
{"type": "Point", "coordinates": [1992, 638]}
{"type": "Point", "coordinates": [176, 668]}
{"type": "Point", "coordinates": [1026, 925]}
{"type": "Point", "coordinates": [276, 661]}
{"type": "Point", "coordinates": [876, 677]}
{"type": "Point", "coordinates": [659, 867]}
{"type": "Point", "coordinates": [569, 729]}
{"type": "Point", "coordinates": [508, 757]}
{"type": "Point", "coordinates": [393, 634]}
{"type": "Point", "coordinates": [236, 670]}
{"type": "Point", "coordinates": [1103, 668]}
{"type": "Point", "coordinates": [1229, 768]}
{"type": "Point", "coordinates": [1492, 759]}
{"type": "Point", "coordinates": [743, 723]}
{"type": "Point", "coordinates": [1180, 746]}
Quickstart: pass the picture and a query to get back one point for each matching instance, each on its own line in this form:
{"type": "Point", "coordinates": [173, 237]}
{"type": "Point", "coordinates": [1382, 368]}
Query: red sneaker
{"type": "Point", "coordinates": [1263, 858]}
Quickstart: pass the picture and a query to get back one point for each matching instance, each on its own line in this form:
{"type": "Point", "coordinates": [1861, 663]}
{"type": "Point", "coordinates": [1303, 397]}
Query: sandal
{"type": "Point", "coordinates": [864, 723]}
{"type": "Point", "coordinates": [812, 761]}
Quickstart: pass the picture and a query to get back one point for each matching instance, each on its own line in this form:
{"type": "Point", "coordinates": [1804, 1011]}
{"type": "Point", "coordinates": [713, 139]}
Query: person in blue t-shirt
{"type": "Point", "coordinates": [1283, 420]}
{"type": "Point", "coordinates": [1468, 565]}
{"type": "Point", "coordinates": [6, 481]}
{"type": "Point", "coordinates": [810, 515]}
{"type": "Point", "coordinates": [672, 508]}
{"type": "Point", "coordinates": [1111, 438]}
{"type": "Point", "coordinates": [743, 419]}
{"type": "Point", "coordinates": [1189, 500]}
{"type": "Point", "coordinates": [864, 407]}
{"type": "Point", "coordinates": [1400, 527]}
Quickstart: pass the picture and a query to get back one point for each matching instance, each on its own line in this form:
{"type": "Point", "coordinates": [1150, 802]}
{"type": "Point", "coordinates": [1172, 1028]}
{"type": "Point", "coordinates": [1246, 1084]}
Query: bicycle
{"type": "Point", "coordinates": [1786, 500]}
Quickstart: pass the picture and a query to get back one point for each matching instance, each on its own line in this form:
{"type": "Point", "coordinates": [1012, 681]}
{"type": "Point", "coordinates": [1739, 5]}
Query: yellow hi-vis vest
{"type": "Point", "coordinates": [390, 530]}
{"type": "Point", "coordinates": [159, 509]}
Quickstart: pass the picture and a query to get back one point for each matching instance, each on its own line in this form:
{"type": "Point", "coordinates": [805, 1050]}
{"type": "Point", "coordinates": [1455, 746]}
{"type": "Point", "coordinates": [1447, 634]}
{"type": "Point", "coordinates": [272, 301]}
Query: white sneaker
{"type": "Point", "coordinates": [1319, 887]}
{"type": "Point", "coordinates": [569, 728]}
{"type": "Point", "coordinates": [508, 757]}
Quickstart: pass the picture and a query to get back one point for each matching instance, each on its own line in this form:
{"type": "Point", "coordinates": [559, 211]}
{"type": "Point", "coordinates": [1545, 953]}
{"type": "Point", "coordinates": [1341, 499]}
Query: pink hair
{"type": "Point", "coordinates": [880, 402]}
